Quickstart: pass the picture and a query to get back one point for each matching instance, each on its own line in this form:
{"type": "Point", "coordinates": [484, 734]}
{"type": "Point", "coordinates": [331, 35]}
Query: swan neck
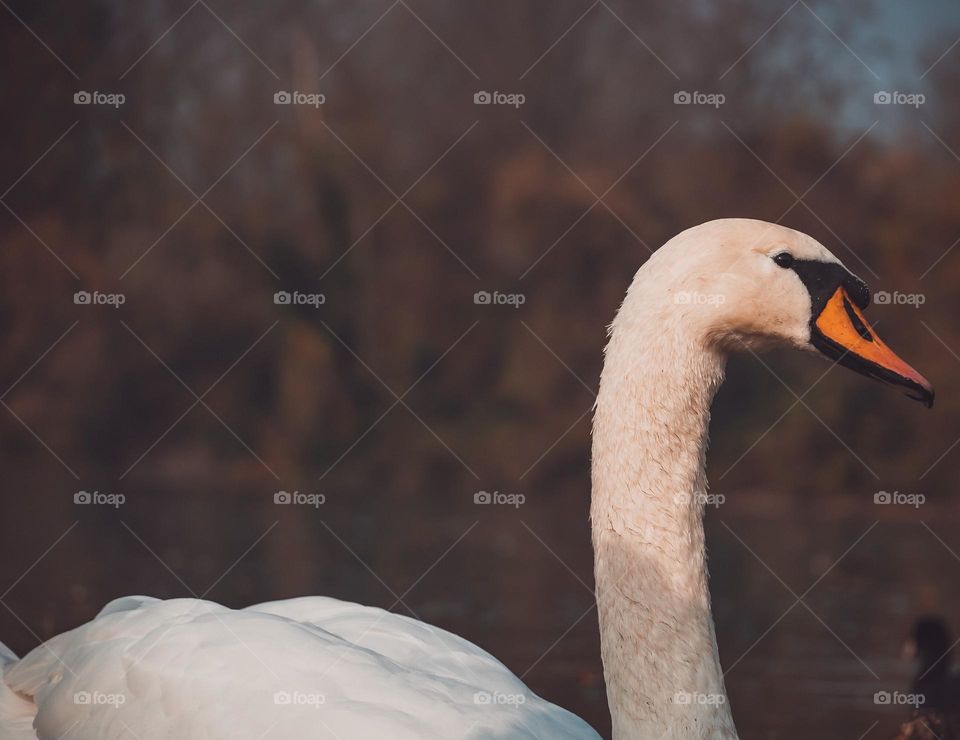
{"type": "Point", "coordinates": [649, 489]}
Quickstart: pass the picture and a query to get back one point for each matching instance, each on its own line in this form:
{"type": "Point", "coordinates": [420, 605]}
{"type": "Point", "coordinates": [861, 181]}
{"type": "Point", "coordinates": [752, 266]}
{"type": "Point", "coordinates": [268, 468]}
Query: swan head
{"type": "Point", "coordinates": [745, 284]}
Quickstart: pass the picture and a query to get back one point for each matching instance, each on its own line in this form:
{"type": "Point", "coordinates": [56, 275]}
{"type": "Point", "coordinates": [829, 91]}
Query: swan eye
{"type": "Point", "coordinates": [784, 259]}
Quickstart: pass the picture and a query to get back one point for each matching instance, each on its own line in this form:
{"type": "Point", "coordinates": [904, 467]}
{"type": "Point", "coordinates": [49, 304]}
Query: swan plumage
{"type": "Point", "coordinates": [311, 667]}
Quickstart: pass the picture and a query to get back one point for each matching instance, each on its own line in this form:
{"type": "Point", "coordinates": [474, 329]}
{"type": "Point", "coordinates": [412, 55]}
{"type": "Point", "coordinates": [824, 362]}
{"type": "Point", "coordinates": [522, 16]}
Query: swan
{"type": "Point", "coordinates": [317, 667]}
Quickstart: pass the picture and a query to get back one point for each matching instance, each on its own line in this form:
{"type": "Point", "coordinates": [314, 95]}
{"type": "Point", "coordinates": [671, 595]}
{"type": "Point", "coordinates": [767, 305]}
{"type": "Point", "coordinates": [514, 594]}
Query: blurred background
{"type": "Point", "coordinates": [209, 297]}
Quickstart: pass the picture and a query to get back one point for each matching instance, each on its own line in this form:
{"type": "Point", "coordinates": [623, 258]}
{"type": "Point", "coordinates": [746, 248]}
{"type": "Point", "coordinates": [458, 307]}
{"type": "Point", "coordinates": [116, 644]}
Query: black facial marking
{"type": "Point", "coordinates": [861, 328]}
{"type": "Point", "coordinates": [822, 280]}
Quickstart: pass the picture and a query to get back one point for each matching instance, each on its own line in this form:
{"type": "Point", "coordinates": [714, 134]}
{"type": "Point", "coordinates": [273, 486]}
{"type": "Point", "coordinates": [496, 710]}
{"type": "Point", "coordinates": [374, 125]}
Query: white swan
{"type": "Point", "coordinates": [321, 668]}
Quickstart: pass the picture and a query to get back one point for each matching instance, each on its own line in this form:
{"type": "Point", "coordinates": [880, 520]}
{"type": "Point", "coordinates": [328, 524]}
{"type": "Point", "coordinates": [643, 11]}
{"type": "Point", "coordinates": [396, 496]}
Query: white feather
{"type": "Point", "coordinates": [306, 668]}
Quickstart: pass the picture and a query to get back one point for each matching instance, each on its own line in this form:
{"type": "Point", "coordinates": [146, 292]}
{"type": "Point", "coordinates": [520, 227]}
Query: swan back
{"type": "Point", "coordinates": [307, 668]}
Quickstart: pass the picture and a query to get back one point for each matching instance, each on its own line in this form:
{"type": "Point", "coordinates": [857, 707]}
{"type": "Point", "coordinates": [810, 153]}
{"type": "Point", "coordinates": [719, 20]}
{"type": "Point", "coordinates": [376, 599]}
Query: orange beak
{"type": "Point", "coordinates": [842, 333]}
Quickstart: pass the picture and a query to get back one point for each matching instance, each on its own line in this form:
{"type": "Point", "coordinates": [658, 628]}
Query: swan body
{"type": "Point", "coordinates": [194, 670]}
{"type": "Point", "coordinates": [312, 667]}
